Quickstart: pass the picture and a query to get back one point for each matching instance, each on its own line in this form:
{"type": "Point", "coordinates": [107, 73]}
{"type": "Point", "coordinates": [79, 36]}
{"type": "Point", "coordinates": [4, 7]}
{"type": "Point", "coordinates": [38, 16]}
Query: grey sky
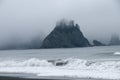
{"type": "Point", "coordinates": [98, 19]}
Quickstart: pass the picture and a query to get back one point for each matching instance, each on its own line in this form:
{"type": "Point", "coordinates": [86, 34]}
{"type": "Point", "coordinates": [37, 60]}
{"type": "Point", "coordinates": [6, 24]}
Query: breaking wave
{"type": "Point", "coordinates": [70, 67]}
{"type": "Point", "coordinates": [27, 63]}
{"type": "Point", "coordinates": [117, 53]}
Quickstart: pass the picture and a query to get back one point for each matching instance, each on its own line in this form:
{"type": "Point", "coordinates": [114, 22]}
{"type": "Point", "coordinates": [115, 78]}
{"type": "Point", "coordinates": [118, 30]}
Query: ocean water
{"type": "Point", "coordinates": [91, 62]}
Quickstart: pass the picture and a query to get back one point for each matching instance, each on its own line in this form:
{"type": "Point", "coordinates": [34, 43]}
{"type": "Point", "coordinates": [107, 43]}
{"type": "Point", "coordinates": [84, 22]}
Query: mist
{"type": "Point", "coordinates": [22, 20]}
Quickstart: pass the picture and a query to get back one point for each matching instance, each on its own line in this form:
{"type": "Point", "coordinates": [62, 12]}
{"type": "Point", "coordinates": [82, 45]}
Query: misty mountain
{"type": "Point", "coordinates": [114, 40]}
{"type": "Point", "coordinates": [66, 34]}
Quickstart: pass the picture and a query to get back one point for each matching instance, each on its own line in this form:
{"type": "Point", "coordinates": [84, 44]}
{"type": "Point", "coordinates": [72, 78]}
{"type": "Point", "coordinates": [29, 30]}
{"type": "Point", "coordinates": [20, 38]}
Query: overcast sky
{"type": "Point", "coordinates": [23, 19]}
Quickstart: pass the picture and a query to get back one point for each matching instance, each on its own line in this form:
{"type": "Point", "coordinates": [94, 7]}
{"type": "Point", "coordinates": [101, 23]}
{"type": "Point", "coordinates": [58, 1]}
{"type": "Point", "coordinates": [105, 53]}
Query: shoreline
{"type": "Point", "coordinates": [27, 76]}
{"type": "Point", "coordinates": [6, 77]}
{"type": "Point", "coordinates": [19, 78]}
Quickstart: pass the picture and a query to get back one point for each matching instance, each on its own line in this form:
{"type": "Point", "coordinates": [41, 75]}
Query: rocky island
{"type": "Point", "coordinates": [66, 34]}
{"type": "Point", "coordinates": [114, 40]}
{"type": "Point", "coordinates": [98, 43]}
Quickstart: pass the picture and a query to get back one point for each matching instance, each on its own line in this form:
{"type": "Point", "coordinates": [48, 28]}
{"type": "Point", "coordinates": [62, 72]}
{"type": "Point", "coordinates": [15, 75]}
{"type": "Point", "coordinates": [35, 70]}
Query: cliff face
{"type": "Point", "coordinates": [65, 35]}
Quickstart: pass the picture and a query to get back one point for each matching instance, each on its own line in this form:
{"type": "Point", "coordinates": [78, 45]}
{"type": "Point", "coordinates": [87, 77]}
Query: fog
{"type": "Point", "coordinates": [25, 19]}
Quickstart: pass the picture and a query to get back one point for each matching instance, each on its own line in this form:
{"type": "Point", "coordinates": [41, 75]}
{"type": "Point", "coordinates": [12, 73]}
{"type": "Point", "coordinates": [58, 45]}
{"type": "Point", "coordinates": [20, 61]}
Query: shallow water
{"type": "Point", "coordinates": [89, 53]}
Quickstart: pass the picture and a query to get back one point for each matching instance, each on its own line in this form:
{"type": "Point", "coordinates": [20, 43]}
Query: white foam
{"type": "Point", "coordinates": [117, 53]}
{"type": "Point", "coordinates": [33, 62]}
{"type": "Point", "coordinates": [74, 68]}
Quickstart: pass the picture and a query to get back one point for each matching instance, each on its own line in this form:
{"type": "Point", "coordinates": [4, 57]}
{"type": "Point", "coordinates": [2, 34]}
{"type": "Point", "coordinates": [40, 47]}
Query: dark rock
{"type": "Point", "coordinates": [98, 43]}
{"type": "Point", "coordinates": [61, 63]}
{"type": "Point", "coordinates": [58, 62]}
{"type": "Point", "coordinates": [65, 35]}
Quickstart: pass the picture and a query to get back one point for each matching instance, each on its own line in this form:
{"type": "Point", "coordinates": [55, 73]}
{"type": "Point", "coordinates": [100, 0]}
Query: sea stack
{"type": "Point", "coordinates": [115, 40]}
{"type": "Point", "coordinates": [66, 34]}
{"type": "Point", "coordinates": [98, 43]}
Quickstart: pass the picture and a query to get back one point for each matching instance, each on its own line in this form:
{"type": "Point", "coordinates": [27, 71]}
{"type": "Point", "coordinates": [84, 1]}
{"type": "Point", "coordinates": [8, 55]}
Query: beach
{"type": "Point", "coordinates": [22, 76]}
{"type": "Point", "coordinates": [18, 78]}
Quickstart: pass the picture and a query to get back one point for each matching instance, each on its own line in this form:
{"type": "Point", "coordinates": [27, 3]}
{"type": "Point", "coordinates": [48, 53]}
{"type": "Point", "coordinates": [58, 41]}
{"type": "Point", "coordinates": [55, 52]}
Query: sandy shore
{"type": "Point", "coordinates": [18, 78]}
{"type": "Point", "coordinates": [21, 76]}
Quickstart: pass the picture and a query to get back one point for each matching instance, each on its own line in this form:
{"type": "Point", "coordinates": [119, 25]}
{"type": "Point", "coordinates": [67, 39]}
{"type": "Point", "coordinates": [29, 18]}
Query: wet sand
{"type": "Point", "coordinates": [21, 76]}
{"type": "Point", "coordinates": [18, 78]}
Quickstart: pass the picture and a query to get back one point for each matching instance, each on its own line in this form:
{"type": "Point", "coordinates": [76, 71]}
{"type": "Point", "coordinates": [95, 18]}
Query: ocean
{"type": "Point", "coordinates": [89, 62]}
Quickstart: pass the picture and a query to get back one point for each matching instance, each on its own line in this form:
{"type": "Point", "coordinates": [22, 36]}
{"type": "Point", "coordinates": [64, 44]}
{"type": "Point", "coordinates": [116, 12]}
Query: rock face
{"type": "Point", "coordinates": [66, 34]}
{"type": "Point", "coordinates": [115, 40]}
{"type": "Point", "coordinates": [98, 43]}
